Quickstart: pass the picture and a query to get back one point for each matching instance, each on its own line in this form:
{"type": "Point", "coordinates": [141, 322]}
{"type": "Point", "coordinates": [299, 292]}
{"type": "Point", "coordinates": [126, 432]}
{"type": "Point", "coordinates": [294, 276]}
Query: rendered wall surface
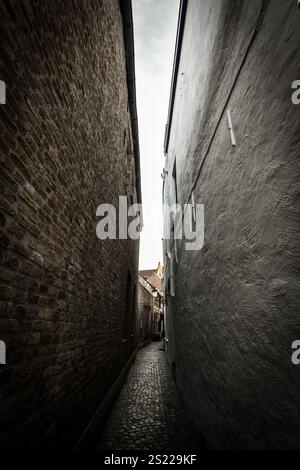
{"type": "Point", "coordinates": [235, 312]}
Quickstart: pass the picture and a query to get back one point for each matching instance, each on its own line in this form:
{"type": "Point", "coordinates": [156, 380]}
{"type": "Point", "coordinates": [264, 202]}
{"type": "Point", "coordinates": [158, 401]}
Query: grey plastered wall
{"type": "Point", "coordinates": [237, 300]}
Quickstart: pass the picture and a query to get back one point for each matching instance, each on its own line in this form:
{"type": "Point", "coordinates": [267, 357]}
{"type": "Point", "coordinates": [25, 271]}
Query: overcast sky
{"type": "Point", "coordinates": [155, 25]}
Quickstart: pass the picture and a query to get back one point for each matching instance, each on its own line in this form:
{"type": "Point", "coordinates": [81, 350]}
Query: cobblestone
{"type": "Point", "coordinates": [148, 414]}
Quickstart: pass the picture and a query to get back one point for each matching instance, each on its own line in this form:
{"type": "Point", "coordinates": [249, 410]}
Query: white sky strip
{"type": "Point", "coordinates": [155, 23]}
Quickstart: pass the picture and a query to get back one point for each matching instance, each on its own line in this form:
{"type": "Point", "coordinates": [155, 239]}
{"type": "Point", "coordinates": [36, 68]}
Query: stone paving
{"type": "Point", "coordinates": [148, 414]}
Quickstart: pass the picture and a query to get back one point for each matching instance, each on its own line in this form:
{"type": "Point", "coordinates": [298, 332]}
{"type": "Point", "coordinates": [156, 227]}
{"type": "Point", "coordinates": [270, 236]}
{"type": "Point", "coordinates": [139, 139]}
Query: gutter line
{"type": "Point", "coordinates": [179, 38]}
{"type": "Point", "coordinates": [127, 15]}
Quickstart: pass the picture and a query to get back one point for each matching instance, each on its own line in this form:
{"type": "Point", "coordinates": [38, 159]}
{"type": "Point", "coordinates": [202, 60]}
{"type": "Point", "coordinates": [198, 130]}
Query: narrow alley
{"type": "Point", "coordinates": [148, 414]}
{"type": "Point", "coordinates": [149, 226]}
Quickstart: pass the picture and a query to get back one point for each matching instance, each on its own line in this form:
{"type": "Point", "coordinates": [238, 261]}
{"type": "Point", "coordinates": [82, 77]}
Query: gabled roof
{"type": "Point", "coordinates": [148, 286]}
{"type": "Point", "coordinates": [156, 282]}
{"type": "Point", "coordinates": [151, 277]}
{"type": "Point", "coordinates": [147, 272]}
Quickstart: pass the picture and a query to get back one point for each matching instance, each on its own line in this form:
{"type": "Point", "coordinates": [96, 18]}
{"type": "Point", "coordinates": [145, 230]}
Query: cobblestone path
{"type": "Point", "coordinates": [148, 414]}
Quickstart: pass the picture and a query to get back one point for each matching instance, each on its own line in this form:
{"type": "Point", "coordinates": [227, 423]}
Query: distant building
{"type": "Point", "coordinates": [232, 144]}
{"type": "Point", "coordinates": [150, 305]}
{"type": "Point", "coordinates": [154, 276]}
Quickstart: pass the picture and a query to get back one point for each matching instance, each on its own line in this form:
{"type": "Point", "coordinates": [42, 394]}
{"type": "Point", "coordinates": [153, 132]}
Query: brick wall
{"type": "Point", "coordinates": [65, 146]}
